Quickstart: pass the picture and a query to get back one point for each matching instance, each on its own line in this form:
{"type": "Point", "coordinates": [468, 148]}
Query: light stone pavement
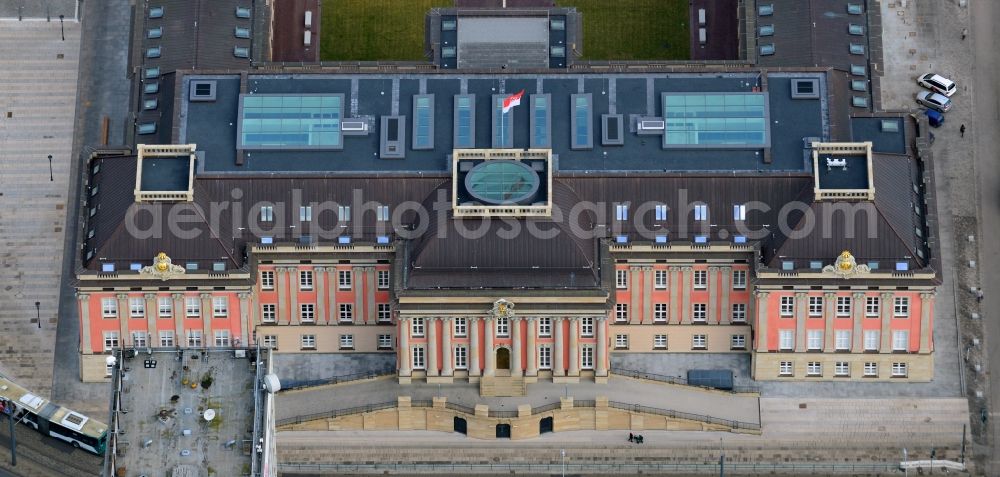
{"type": "Point", "coordinates": [632, 391]}
{"type": "Point", "coordinates": [38, 73]}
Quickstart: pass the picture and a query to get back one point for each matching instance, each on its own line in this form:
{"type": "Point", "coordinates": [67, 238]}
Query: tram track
{"type": "Point", "coordinates": [45, 456]}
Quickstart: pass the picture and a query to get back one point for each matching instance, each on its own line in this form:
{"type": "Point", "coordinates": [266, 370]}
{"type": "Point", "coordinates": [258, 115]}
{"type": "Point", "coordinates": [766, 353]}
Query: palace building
{"type": "Point", "coordinates": [406, 220]}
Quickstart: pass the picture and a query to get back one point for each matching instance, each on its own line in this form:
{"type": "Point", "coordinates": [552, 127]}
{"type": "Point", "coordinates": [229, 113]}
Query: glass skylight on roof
{"type": "Point", "coordinates": [151, 88]}
{"type": "Point", "coordinates": [156, 12]}
{"type": "Point", "coordinates": [156, 32]}
{"type": "Point", "coordinates": [152, 72]}
{"type": "Point", "coordinates": [242, 12]}
{"type": "Point", "coordinates": [582, 124]}
{"type": "Point", "coordinates": [854, 8]}
{"type": "Point", "coordinates": [859, 101]}
{"type": "Point", "coordinates": [463, 122]}
{"type": "Point", "coordinates": [423, 122]}
{"type": "Point", "coordinates": [153, 52]}
{"type": "Point", "coordinates": [857, 49]}
{"type": "Point", "coordinates": [277, 121]}
{"type": "Point", "coordinates": [766, 9]}
{"type": "Point", "coordinates": [858, 70]}
{"type": "Point", "coordinates": [855, 29]}
{"type": "Point", "coordinates": [241, 52]}
{"type": "Point", "coordinates": [540, 121]}
{"type": "Point", "coordinates": [859, 85]}
{"type": "Point", "coordinates": [766, 30]}
{"type": "Point", "coordinates": [767, 49]}
{"type": "Point", "coordinates": [147, 128]}
{"type": "Point", "coordinates": [718, 119]}
{"type": "Point", "coordinates": [241, 32]}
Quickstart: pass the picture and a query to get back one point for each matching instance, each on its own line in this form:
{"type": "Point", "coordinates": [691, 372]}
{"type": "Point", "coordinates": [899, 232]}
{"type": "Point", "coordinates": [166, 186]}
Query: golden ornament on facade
{"type": "Point", "coordinates": [162, 268]}
{"type": "Point", "coordinates": [502, 309]}
{"type": "Point", "coordinates": [846, 266]}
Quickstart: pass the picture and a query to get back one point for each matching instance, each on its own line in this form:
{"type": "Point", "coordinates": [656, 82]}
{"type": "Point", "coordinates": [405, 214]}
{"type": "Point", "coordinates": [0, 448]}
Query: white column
{"type": "Point", "coordinates": [474, 367]}
{"type": "Point", "coordinates": [532, 329]}
{"type": "Point", "coordinates": [179, 312]}
{"type": "Point", "coordinates": [558, 367]}
{"type": "Point", "coordinates": [152, 311]}
{"type": "Point", "coordinates": [86, 347]}
{"type": "Point", "coordinates": [294, 313]}
{"type": "Point", "coordinates": [404, 346]}
{"type": "Point", "coordinates": [926, 305]}
{"type": "Point", "coordinates": [446, 351]}
{"type": "Point", "coordinates": [244, 319]}
{"type": "Point", "coordinates": [886, 338]}
{"type": "Point", "coordinates": [123, 316]}
{"type": "Point", "coordinates": [432, 345]}
{"type": "Point", "coordinates": [281, 283]}
{"type": "Point", "coordinates": [574, 347]}
{"type": "Point", "coordinates": [515, 359]}
{"type": "Point", "coordinates": [319, 275]}
{"type": "Point", "coordinates": [491, 357]}
{"type": "Point", "coordinates": [206, 318]}
{"type": "Point", "coordinates": [602, 345]}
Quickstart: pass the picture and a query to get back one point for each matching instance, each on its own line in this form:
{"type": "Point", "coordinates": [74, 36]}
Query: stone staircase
{"type": "Point", "coordinates": [502, 386]}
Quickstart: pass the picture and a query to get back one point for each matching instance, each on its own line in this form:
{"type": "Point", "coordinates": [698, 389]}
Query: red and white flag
{"type": "Point", "coordinates": [512, 100]}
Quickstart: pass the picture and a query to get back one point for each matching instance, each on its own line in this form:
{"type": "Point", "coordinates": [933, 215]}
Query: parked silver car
{"type": "Point", "coordinates": [935, 101]}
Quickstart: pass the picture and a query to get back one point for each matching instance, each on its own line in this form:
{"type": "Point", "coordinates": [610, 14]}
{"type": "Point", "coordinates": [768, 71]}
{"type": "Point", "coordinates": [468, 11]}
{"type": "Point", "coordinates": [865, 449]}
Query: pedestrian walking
{"type": "Point", "coordinates": [961, 130]}
{"type": "Point", "coordinates": [979, 296]}
{"type": "Point", "coordinates": [630, 437]}
{"type": "Point", "coordinates": [965, 32]}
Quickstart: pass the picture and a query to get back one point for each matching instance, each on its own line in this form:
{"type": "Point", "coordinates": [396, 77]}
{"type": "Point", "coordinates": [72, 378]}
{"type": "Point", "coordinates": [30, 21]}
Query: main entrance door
{"type": "Point", "coordinates": [503, 358]}
{"type": "Point", "coordinates": [503, 431]}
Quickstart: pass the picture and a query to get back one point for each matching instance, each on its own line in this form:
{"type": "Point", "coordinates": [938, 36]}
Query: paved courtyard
{"type": "Point", "coordinates": [38, 74]}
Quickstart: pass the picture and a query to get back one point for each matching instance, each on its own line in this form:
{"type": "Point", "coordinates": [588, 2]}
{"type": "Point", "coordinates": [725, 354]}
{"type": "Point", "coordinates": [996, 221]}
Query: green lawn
{"type": "Point", "coordinates": [634, 29]}
{"type": "Point", "coordinates": [362, 30]}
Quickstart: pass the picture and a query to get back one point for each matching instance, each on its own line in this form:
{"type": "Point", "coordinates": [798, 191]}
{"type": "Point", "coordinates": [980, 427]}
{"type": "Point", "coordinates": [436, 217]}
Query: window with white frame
{"type": "Point", "coordinates": [785, 368]}
{"type": "Point", "coordinates": [545, 326]}
{"type": "Point", "coordinates": [192, 306]}
{"type": "Point", "coordinates": [814, 368]}
{"type": "Point", "coordinates": [621, 278]}
{"type": "Point", "coordinates": [267, 280]}
{"type": "Point", "coordinates": [220, 306]}
{"type": "Point", "coordinates": [843, 306]}
{"type": "Point", "coordinates": [305, 213]}
{"type": "Point", "coordinates": [346, 312]}
{"type": "Point", "coordinates": [814, 340]}
{"type": "Point", "coordinates": [343, 213]}
{"type": "Point", "coordinates": [194, 338]}
{"type": "Point", "coordinates": [739, 212]}
{"type": "Point", "coordinates": [900, 340]}
{"type": "Point", "coordinates": [899, 370]}
{"type": "Point", "coordinates": [699, 311]}
{"type": "Point", "coordinates": [167, 338]}
{"type": "Point", "coordinates": [417, 327]}
{"type": "Point", "coordinates": [384, 312]}
{"type": "Point", "coordinates": [739, 312]}
{"type": "Point", "coordinates": [461, 357]}
{"type": "Point", "coordinates": [661, 211]}
{"type": "Point", "coordinates": [621, 341]}
{"type": "Point", "coordinates": [307, 312]}
{"type": "Point", "coordinates": [621, 311]}
{"type": "Point", "coordinates": [660, 341]}
{"type": "Point", "coordinates": [346, 341]}
{"type": "Point", "coordinates": [871, 370]}
{"type": "Point", "coordinates": [587, 357]}
{"type": "Point", "coordinates": [842, 340]}
{"type": "Point", "coordinates": [701, 212]}
{"type": "Point", "coordinates": [136, 307]}
{"type": "Point", "coordinates": [305, 280]}
{"type": "Point", "coordinates": [660, 313]}
{"type": "Point", "coordinates": [382, 213]}
{"type": "Point", "coordinates": [110, 340]}
{"type": "Point", "coordinates": [417, 358]}
{"type": "Point", "coordinates": [699, 341]}
{"type": "Point", "coordinates": [660, 279]}
{"type": "Point", "coordinates": [503, 326]}
{"type": "Point", "coordinates": [787, 306]}
{"type": "Point", "coordinates": [307, 341]}
{"type": "Point", "coordinates": [700, 279]}
{"type": "Point", "coordinates": [738, 342]}
{"type": "Point", "coordinates": [221, 338]}
{"type": "Point", "coordinates": [901, 307]}
{"type": "Point", "coordinates": [270, 341]}
{"type": "Point", "coordinates": [268, 312]}
{"type": "Point", "coordinates": [267, 213]}
{"type": "Point", "coordinates": [587, 327]}
{"type": "Point", "coordinates": [166, 307]}
{"type": "Point", "coordinates": [344, 279]}
{"type": "Point", "coordinates": [545, 357]}
{"type": "Point", "coordinates": [382, 279]}
{"type": "Point", "coordinates": [384, 341]}
{"type": "Point", "coordinates": [815, 306]}
{"type": "Point", "coordinates": [871, 306]}
{"type": "Point", "coordinates": [621, 212]}
{"type": "Point", "coordinates": [109, 308]}
{"type": "Point", "coordinates": [739, 279]}
{"type": "Point", "coordinates": [139, 339]}
{"type": "Point", "coordinates": [842, 368]}
{"type": "Point", "coordinates": [786, 340]}
{"type": "Point", "coordinates": [460, 325]}
{"type": "Point", "coordinates": [871, 340]}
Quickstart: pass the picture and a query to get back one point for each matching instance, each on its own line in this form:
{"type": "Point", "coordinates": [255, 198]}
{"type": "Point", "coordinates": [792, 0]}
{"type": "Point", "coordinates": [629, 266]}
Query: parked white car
{"type": "Point", "coordinates": [938, 84]}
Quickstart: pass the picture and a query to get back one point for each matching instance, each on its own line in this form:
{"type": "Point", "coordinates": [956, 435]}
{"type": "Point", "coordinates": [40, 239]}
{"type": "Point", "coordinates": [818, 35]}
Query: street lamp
{"type": "Point", "coordinates": [50, 168]}
{"type": "Point", "coordinates": [62, 29]}
{"type": "Point", "coordinates": [38, 313]}
{"type": "Point", "coordinates": [563, 453]}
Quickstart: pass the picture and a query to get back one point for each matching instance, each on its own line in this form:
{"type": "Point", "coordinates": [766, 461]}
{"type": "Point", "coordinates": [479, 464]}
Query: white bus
{"type": "Point", "coordinates": [53, 420]}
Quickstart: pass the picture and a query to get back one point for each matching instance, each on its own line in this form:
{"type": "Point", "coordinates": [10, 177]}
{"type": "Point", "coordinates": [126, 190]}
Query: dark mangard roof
{"type": "Point", "coordinates": [212, 125]}
{"type": "Point", "coordinates": [441, 257]}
